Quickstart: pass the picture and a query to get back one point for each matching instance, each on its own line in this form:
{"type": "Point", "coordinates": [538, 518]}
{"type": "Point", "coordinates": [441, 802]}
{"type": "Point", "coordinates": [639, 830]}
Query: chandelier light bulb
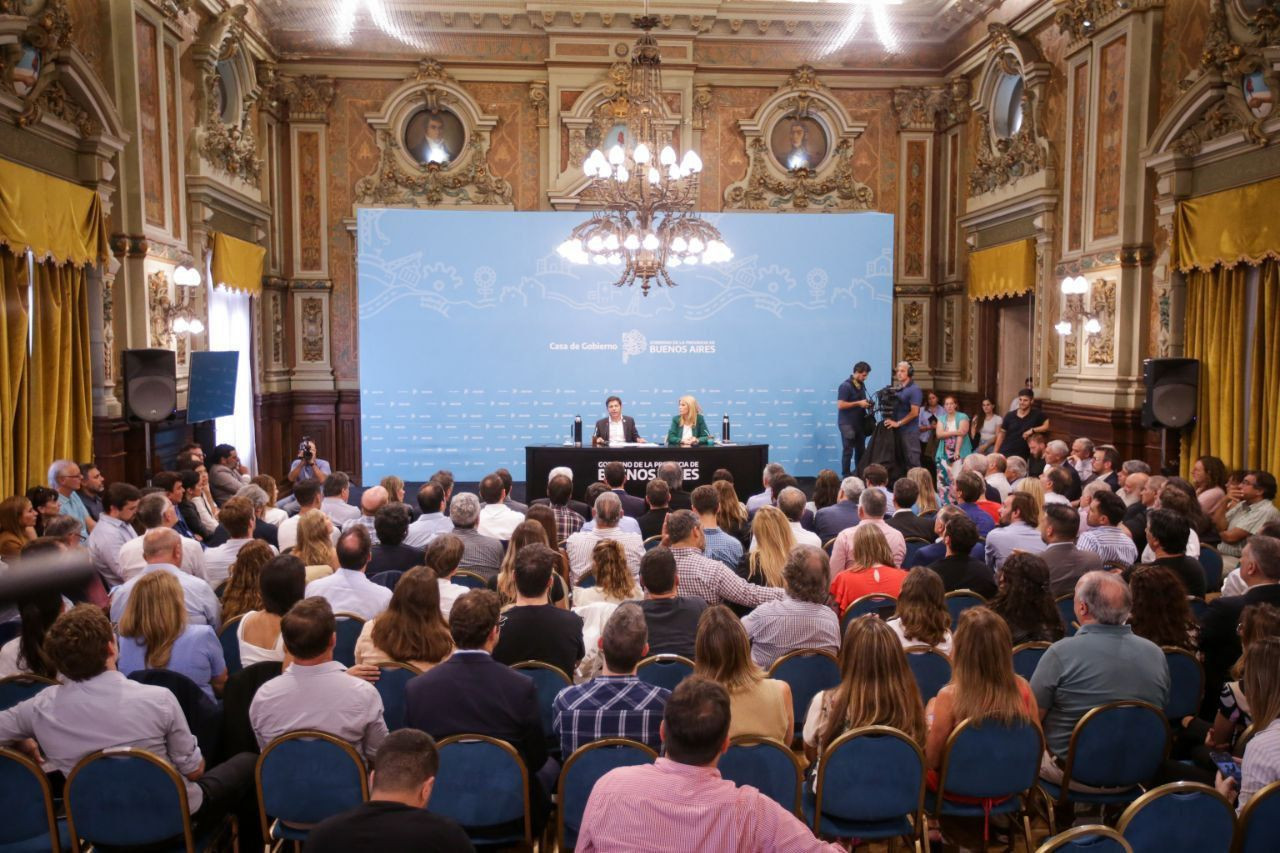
{"type": "Point", "coordinates": [673, 261]}
{"type": "Point", "coordinates": [650, 242]}
{"type": "Point", "coordinates": [599, 260]}
{"type": "Point", "coordinates": [1068, 285]}
{"type": "Point", "coordinates": [641, 154]}
{"type": "Point", "coordinates": [1063, 328]}
{"type": "Point", "coordinates": [667, 156]}
{"type": "Point", "coordinates": [691, 163]}
{"type": "Point", "coordinates": [696, 246]}
{"type": "Point", "coordinates": [1092, 326]}
{"type": "Point", "coordinates": [595, 243]}
{"type": "Point", "coordinates": [690, 260]}
{"type": "Point", "coordinates": [195, 327]}
{"type": "Point", "coordinates": [611, 242]}
{"type": "Point", "coordinates": [673, 172]}
{"type": "Point", "coordinates": [615, 259]}
{"type": "Point", "coordinates": [616, 155]}
{"type": "Point", "coordinates": [655, 177]}
{"type": "Point", "coordinates": [180, 325]}
{"type": "Point", "coordinates": [679, 244]}
{"type": "Point", "coordinates": [623, 175]}
{"type": "Point", "coordinates": [631, 243]}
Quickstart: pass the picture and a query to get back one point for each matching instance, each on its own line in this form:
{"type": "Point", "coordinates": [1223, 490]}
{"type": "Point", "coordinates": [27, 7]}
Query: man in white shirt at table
{"type": "Point", "coordinates": [617, 428]}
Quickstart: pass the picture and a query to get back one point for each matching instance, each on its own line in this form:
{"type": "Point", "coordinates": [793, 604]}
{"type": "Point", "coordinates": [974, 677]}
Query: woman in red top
{"type": "Point", "coordinates": [871, 569]}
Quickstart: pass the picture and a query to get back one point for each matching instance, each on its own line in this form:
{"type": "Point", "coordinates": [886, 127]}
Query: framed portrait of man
{"type": "Point", "coordinates": [798, 142]}
{"type": "Point", "coordinates": [434, 136]}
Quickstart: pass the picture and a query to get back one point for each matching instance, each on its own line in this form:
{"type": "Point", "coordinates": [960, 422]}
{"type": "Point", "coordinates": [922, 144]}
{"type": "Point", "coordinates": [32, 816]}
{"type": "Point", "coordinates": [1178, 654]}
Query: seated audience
{"type": "Point", "coordinates": [198, 510]}
{"type": "Point", "coordinates": [113, 530]}
{"type": "Point", "coordinates": [904, 519]}
{"type": "Point", "coordinates": [722, 653]}
{"type": "Point", "coordinates": [1105, 537]}
{"type": "Point", "coordinates": [238, 516]}
{"type": "Point", "coordinates": [156, 511]}
{"type": "Point", "coordinates": [1103, 662]}
{"type": "Point", "coordinates": [773, 539]}
{"type": "Point", "coordinates": [1160, 610]}
{"type": "Point", "coordinates": [308, 496]}
{"type": "Point", "coordinates": [801, 620]}
{"type": "Point", "coordinates": [731, 514]}
{"type": "Point", "coordinates": [92, 485]}
{"type": "Point", "coordinates": [316, 537]}
{"type": "Point", "coordinates": [67, 721]}
{"type": "Point", "coordinates": [371, 501]}
{"type": "Point", "coordinates": [542, 514]}
{"type": "Point", "coordinates": [613, 580]}
{"type": "Point", "coordinates": [626, 524]}
{"type": "Point", "coordinates": [608, 516]}
{"type": "Point", "coordinates": [17, 525]}
{"type": "Point", "coordinates": [830, 521]}
{"type": "Point", "coordinates": [1219, 640]}
{"type": "Point", "coordinates": [720, 545]}
{"type": "Point", "coordinates": [937, 549]}
{"type": "Point", "coordinates": [616, 703]}
{"type": "Point", "coordinates": [657, 497]}
{"type": "Point", "coordinates": [226, 473]}
{"type": "Point", "coordinates": [271, 514]}
{"type": "Point", "coordinates": [496, 518]}
{"type": "Point", "coordinates": [826, 490]}
{"type": "Point", "coordinates": [155, 634]}
{"type": "Point", "coordinates": [390, 554]}
{"type": "Point", "coordinates": [996, 478]}
{"type": "Point", "coordinates": [569, 514]}
{"type": "Point", "coordinates": [526, 533]}
{"type": "Point", "coordinates": [282, 583]}
{"type": "Point", "coordinates": [480, 554]}
{"type": "Point", "coordinates": [505, 476]}
{"type": "Point", "coordinates": [1167, 533]}
{"type": "Point", "coordinates": [411, 630]}
{"type": "Point", "coordinates": [926, 505]}
{"type": "Point", "coordinates": [432, 522]}
{"type": "Point", "coordinates": [1056, 483]}
{"type": "Point", "coordinates": [25, 653]}
{"type": "Point", "coordinates": [876, 689]}
{"type": "Point", "coordinates": [262, 529]}
{"type": "Point", "coordinates": [791, 503]}
{"type": "Point", "coordinates": [922, 617]}
{"type": "Point", "coordinates": [877, 477]}
{"type": "Point", "coordinates": [395, 818]}
{"type": "Point", "coordinates": [870, 567]}
{"type": "Point", "coordinates": [671, 618]}
{"type": "Point", "coordinates": [871, 510]}
{"type": "Point", "coordinates": [337, 493]}
{"type": "Point", "coordinates": [442, 557]}
{"type": "Point", "coordinates": [958, 569]}
{"type": "Point", "coordinates": [162, 550]}
{"type": "Point", "coordinates": [682, 796]}
{"type": "Point", "coordinates": [45, 502]}
{"type": "Point", "coordinates": [710, 580]}
{"type": "Point", "coordinates": [243, 591]}
{"type": "Point", "coordinates": [1025, 603]}
{"type": "Point", "coordinates": [315, 691]}
{"type": "Point", "coordinates": [1209, 477]}
{"type": "Point", "coordinates": [534, 628]}
{"type": "Point", "coordinates": [1232, 715]}
{"type": "Point", "coordinates": [1067, 563]}
{"type": "Point", "coordinates": [1019, 530]}
{"type": "Point", "coordinates": [65, 479]}
{"type": "Point", "coordinates": [1261, 765]}
{"type": "Point", "coordinates": [969, 488]}
{"type": "Point", "coordinates": [349, 590]}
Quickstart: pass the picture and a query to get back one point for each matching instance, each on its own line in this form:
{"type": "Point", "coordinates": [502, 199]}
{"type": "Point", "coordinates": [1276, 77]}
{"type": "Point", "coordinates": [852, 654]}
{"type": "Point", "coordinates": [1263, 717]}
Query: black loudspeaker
{"type": "Point", "coordinates": [150, 384]}
{"type": "Point", "coordinates": [1172, 387]}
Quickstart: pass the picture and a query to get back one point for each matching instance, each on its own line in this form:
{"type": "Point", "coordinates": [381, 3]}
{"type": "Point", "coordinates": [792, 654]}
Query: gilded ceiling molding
{"type": "Point", "coordinates": [227, 88]}
{"type": "Point", "coordinates": [1003, 160]}
{"type": "Point", "coordinates": [817, 171]}
{"type": "Point", "coordinates": [932, 107]}
{"type": "Point", "coordinates": [464, 178]}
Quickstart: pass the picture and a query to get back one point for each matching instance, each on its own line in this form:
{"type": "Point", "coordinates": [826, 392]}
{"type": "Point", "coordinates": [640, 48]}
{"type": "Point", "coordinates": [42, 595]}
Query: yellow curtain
{"type": "Point", "coordinates": [1264, 411]}
{"type": "Point", "coordinates": [55, 219]}
{"type": "Point", "coordinates": [1229, 227]}
{"type": "Point", "coordinates": [1005, 270]}
{"type": "Point", "coordinates": [237, 264]}
{"type": "Point", "coordinates": [13, 359]}
{"type": "Point", "coordinates": [1215, 334]}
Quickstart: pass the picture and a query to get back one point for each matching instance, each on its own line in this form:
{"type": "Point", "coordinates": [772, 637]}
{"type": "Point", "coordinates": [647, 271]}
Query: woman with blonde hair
{"type": "Point", "coordinates": [876, 689]}
{"type": "Point", "coordinates": [870, 569]}
{"type": "Point", "coordinates": [722, 652]}
{"type": "Point", "coordinates": [983, 684]}
{"type": "Point", "coordinates": [242, 592]}
{"type": "Point", "coordinates": [17, 525]}
{"type": "Point", "coordinates": [395, 488]}
{"type": "Point", "coordinates": [411, 630]}
{"type": "Point", "coordinates": [155, 634]}
{"type": "Point", "coordinates": [922, 618]}
{"type": "Point", "coordinates": [315, 545]}
{"type": "Point", "coordinates": [731, 515]}
{"type": "Point", "coordinates": [614, 582]}
{"type": "Point", "coordinates": [771, 545]}
{"type": "Point", "coordinates": [927, 502]}
{"type": "Point", "coordinates": [272, 514]}
{"type": "Point", "coordinates": [526, 533]}
{"type": "Point", "coordinates": [689, 427]}
{"type": "Point", "coordinates": [1031, 486]}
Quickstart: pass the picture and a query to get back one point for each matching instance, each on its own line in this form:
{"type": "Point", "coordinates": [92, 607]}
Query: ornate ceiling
{"type": "Point", "coordinates": [831, 32]}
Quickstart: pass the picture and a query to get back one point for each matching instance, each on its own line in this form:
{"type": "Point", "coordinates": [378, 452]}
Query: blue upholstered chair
{"type": "Point", "coordinates": [1087, 839]}
{"type": "Point", "coordinates": [30, 823]}
{"type": "Point", "coordinates": [855, 798]}
{"type": "Point", "coordinates": [290, 801]}
{"type": "Point", "coordinates": [549, 681]}
{"type": "Point", "coordinates": [482, 784]}
{"type": "Point", "coordinates": [861, 606]}
{"type": "Point", "coordinates": [1181, 817]}
{"type": "Point", "coordinates": [1118, 746]}
{"type": "Point", "coordinates": [1186, 683]}
{"type": "Point", "coordinates": [664, 670]}
{"type": "Point", "coordinates": [652, 542]}
{"type": "Point", "coordinates": [349, 627]}
{"type": "Point", "coordinates": [807, 672]}
{"type": "Point", "coordinates": [581, 772]}
{"type": "Point", "coordinates": [1260, 822]}
{"type": "Point", "coordinates": [960, 600]}
{"type": "Point", "coordinates": [19, 688]}
{"type": "Point", "coordinates": [1066, 609]}
{"type": "Point", "coordinates": [389, 578]}
{"type": "Point", "coordinates": [228, 636]}
{"type": "Point", "coordinates": [392, 678]}
{"type": "Point", "coordinates": [992, 762]}
{"type": "Point", "coordinates": [768, 765]}
{"type": "Point", "coordinates": [1211, 562]}
{"type": "Point", "coordinates": [1026, 657]}
{"type": "Point", "coordinates": [469, 579]}
{"type": "Point", "coordinates": [931, 668]}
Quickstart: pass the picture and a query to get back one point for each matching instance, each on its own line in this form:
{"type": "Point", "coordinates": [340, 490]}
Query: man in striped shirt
{"type": "Point", "coordinates": [617, 703]}
{"type": "Point", "coordinates": [1105, 537]}
{"type": "Point", "coordinates": [701, 577]}
{"type": "Point", "coordinates": [802, 620]}
{"type": "Point", "coordinates": [680, 802]}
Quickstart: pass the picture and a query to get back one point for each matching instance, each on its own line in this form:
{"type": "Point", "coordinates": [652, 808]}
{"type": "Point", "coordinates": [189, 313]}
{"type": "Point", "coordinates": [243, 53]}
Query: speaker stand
{"type": "Point", "coordinates": [146, 433]}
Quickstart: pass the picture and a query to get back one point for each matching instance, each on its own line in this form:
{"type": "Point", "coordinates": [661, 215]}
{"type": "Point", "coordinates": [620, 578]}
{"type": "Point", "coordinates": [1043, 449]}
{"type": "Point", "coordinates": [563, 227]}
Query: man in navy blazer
{"type": "Point", "coordinates": [830, 520]}
{"type": "Point", "coordinates": [628, 425]}
{"type": "Point", "coordinates": [615, 477]}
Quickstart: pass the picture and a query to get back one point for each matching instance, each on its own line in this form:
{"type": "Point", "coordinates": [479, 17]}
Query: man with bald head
{"type": "Point", "coordinates": [1104, 662]}
{"type": "Point", "coordinates": [608, 514]}
{"type": "Point", "coordinates": [162, 552]}
{"type": "Point", "coordinates": [373, 499]}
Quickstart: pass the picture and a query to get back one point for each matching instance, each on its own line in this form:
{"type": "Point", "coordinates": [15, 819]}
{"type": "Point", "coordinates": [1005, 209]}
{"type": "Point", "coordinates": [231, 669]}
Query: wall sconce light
{"type": "Point", "coordinates": [180, 317]}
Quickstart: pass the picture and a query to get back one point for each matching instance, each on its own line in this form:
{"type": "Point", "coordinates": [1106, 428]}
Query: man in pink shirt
{"type": "Point", "coordinates": [871, 509]}
{"type": "Point", "coordinates": [681, 802]}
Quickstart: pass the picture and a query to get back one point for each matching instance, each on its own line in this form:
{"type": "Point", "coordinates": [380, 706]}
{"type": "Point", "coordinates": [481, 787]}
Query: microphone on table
{"type": "Point", "coordinates": [577, 431]}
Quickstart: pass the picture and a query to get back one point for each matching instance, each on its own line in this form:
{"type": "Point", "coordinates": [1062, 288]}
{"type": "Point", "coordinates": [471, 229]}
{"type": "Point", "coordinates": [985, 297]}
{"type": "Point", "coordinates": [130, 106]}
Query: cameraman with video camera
{"type": "Point", "coordinates": [306, 466]}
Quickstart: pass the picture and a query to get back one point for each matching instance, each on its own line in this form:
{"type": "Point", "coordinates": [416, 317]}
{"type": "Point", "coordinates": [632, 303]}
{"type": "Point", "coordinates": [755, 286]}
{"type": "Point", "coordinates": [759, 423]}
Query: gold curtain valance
{"type": "Point", "coordinates": [1005, 270]}
{"type": "Point", "coordinates": [237, 264]}
{"type": "Point", "coordinates": [56, 219]}
{"type": "Point", "coordinates": [1228, 227]}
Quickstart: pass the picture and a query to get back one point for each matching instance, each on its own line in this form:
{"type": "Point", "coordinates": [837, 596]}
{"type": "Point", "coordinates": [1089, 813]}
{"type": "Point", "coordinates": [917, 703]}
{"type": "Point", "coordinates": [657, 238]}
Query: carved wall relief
{"type": "Point", "coordinates": [1012, 143]}
{"type": "Point", "coordinates": [1102, 304]}
{"type": "Point", "coordinates": [227, 90]}
{"type": "Point", "coordinates": [912, 344]}
{"type": "Point", "coordinates": [312, 328]}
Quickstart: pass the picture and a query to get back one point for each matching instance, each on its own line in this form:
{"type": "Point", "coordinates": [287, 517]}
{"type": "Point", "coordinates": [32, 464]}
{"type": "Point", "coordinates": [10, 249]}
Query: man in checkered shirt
{"type": "Point", "coordinates": [702, 577]}
{"type": "Point", "coordinates": [568, 522]}
{"type": "Point", "coordinates": [802, 620]}
{"type": "Point", "coordinates": [616, 703]}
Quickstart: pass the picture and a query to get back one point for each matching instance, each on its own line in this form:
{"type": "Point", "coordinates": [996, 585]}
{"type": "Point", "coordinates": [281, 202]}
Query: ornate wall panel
{"type": "Point", "coordinates": [150, 116]}
{"type": "Point", "coordinates": [173, 139]}
{"type": "Point", "coordinates": [916, 186]}
{"type": "Point", "coordinates": [1078, 166]}
{"type": "Point", "coordinates": [1102, 303]}
{"type": "Point", "coordinates": [949, 231]}
{"type": "Point", "coordinates": [913, 325]}
{"type": "Point", "coordinates": [310, 217]}
{"type": "Point", "coordinates": [1111, 139]}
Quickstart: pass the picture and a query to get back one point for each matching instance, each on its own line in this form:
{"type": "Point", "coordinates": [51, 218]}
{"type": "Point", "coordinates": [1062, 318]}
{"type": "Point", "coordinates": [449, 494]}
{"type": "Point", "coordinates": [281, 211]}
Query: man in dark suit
{"type": "Point", "coordinates": [505, 476]}
{"type": "Point", "coordinates": [656, 497]}
{"type": "Point", "coordinates": [673, 475]}
{"type": "Point", "coordinates": [830, 520]}
{"type": "Point", "coordinates": [1260, 571]}
{"type": "Point", "coordinates": [616, 427]}
{"type": "Point", "coordinates": [1058, 528]}
{"type": "Point", "coordinates": [615, 477]}
{"type": "Point", "coordinates": [904, 520]}
{"type": "Point", "coordinates": [958, 569]}
{"type": "Point", "coordinates": [391, 523]}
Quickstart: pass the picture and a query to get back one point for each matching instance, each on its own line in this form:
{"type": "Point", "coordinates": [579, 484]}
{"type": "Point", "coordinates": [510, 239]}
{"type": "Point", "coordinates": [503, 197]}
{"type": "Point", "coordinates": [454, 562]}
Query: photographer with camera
{"type": "Point", "coordinates": [306, 466]}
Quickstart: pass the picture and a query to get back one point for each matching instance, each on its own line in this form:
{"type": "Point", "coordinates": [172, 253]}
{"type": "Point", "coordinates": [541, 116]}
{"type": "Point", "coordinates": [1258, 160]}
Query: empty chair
{"type": "Point", "coordinates": [960, 600]}
{"type": "Point", "coordinates": [392, 677]}
{"type": "Point", "coordinates": [1181, 817]}
{"type": "Point", "coordinates": [807, 672]}
{"type": "Point", "coordinates": [881, 605]}
{"type": "Point", "coordinates": [1118, 746]}
{"type": "Point", "coordinates": [1067, 610]}
{"type": "Point", "coordinates": [1026, 657]}
{"type": "Point", "coordinates": [127, 798]}
{"type": "Point", "coordinates": [290, 801]}
{"type": "Point", "coordinates": [549, 681]}
{"type": "Point", "coordinates": [664, 670]}
{"type": "Point", "coordinates": [1186, 683]}
{"type": "Point", "coordinates": [1259, 827]}
{"type": "Point", "coordinates": [229, 637]}
{"type": "Point", "coordinates": [767, 765]}
{"type": "Point", "coordinates": [931, 668]}
{"type": "Point", "coordinates": [469, 579]}
{"type": "Point", "coordinates": [484, 786]}
{"type": "Point", "coordinates": [30, 822]}
{"type": "Point", "coordinates": [856, 798]}
{"type": "Point", "coordinates": [581, 772]}
{"type": "Point", "coordinates": [1087, 839]}
{"type": "Point", "coordinates": [19, 688]}
{"type": "Point", "coordinates": [349, 627]}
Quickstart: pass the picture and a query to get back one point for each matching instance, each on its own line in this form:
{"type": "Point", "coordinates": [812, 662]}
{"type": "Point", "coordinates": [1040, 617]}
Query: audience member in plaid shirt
{"type": "Point", "coordinates": [568, 522]}
{"type": "Point", "coordinates": [710, 580]}
{"type": "Point", "coordinates": [720, 545]}
{"type": "Point", "coordinates": [802, 620]}
{"type": "Point", "coordinates": [617, 703]}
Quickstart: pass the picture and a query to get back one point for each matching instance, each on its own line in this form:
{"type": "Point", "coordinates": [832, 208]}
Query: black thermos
{"type": "Point", "coordinates": [577, 431]}
{"type": "Point", "coordinates": [724, 428]}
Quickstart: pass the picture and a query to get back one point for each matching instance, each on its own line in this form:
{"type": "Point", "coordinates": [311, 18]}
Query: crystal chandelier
{"type": "Point", "coordinates": [646, 222]}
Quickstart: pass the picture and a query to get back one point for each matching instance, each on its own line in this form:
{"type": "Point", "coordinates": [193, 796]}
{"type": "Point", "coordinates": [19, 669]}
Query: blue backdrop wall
{"type": "Point", "coordinates": [476, 339]}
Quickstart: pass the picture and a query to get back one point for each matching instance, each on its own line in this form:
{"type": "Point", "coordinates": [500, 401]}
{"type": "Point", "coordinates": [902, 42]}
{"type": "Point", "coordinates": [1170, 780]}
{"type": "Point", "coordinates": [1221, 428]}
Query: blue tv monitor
{"type": "Point", "coordinates": [211, 385]}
